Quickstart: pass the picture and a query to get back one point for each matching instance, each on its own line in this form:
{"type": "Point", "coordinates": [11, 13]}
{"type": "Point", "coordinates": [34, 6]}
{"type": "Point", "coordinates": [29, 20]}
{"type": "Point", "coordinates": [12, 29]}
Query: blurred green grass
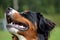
{"type": "Point", "coordinates": [55, 35]}
{"type": "Point", "coordinates": [4, 35]}
{"type": "Point", "coordinates": [54, 17]}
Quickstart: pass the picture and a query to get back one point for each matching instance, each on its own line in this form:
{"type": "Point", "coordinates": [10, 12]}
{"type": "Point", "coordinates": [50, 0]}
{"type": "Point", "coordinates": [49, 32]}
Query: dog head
{"type": "Point", "coordinates": [19, 25]}
{"type": "Point", "coordinates": [29, 24]}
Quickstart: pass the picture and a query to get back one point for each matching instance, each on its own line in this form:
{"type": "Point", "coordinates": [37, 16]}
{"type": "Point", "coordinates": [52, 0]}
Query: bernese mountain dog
{"type": "Point", "coordinates": [28, 25]}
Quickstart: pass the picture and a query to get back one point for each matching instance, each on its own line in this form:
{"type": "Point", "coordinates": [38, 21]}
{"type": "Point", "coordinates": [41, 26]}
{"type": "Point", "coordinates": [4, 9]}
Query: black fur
{"type": "Point", "coordinates": [44, 25]}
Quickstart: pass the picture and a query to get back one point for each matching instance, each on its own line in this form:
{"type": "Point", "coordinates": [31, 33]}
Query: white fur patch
{"type": "Point", "coordinates": [14, 31]}
{"type": "Point", "coordinates": [12, 12]}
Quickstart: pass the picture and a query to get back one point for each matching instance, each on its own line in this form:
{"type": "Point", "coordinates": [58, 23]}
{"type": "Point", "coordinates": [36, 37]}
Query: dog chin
{"type": "Point", "coordinates": [11, 28]}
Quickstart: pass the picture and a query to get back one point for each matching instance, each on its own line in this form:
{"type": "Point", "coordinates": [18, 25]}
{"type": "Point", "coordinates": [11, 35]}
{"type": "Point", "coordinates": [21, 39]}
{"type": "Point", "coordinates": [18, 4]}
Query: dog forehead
{"type": "Point", "coordinates": [12, 12]}
{"type": "Point", "coordinates": [32, 16]}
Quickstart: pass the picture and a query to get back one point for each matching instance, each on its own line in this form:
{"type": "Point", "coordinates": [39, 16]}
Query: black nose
{"type": "Point", "coordinates": [8, 10]}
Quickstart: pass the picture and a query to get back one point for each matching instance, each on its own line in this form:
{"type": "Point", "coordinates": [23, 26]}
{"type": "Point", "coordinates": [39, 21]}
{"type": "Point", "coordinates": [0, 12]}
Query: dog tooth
{"type": "Point", "coordinates": [22, 26]}
{"type": "Point", "coordinates": [11, 22]}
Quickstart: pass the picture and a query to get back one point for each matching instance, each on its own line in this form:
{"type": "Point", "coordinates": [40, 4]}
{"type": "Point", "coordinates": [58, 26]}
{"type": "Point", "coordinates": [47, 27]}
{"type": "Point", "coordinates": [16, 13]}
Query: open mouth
{"type": "Point", "coordinates": [13, 24]}
{"type": "Point", "coordinates": [17, 25]}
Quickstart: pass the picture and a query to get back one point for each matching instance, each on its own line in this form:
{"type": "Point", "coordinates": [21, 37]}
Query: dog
{"type": "Point", "coordinates": [28, 25]}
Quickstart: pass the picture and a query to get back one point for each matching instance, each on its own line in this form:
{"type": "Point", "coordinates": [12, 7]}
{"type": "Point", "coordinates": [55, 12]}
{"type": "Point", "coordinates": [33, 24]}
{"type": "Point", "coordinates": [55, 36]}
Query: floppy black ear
{"type": "Point", "coordinates": [44, 25]}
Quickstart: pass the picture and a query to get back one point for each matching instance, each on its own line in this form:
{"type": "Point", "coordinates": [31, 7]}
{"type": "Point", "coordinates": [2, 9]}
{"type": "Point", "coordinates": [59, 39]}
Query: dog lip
{"type": "Point", "coordinates": [9, 25]}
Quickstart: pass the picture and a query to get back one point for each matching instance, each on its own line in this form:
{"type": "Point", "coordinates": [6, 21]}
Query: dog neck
{"type": "Point", "coordinates": [20, 37]}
